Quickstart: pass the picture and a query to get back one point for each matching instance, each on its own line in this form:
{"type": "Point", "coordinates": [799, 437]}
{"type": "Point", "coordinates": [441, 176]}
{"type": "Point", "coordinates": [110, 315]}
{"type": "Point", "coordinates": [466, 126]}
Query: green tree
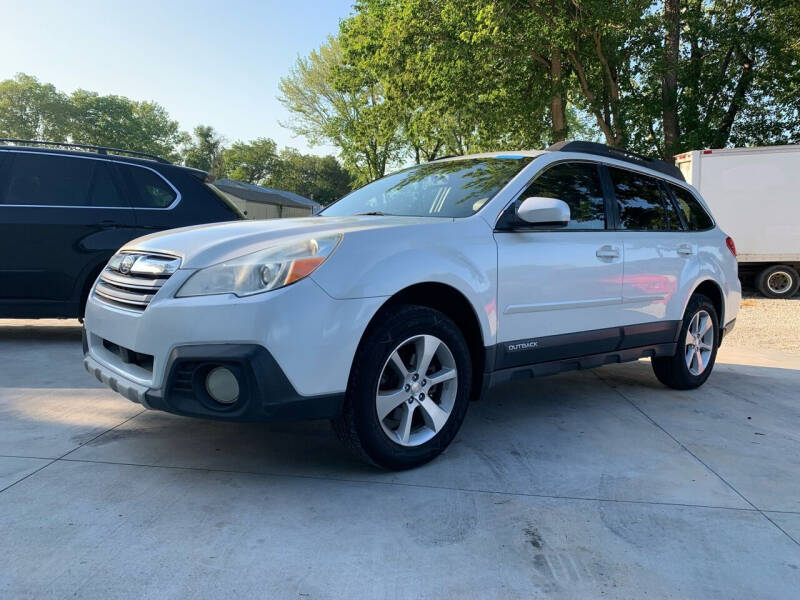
{"type": "Point", "coordinates": [205, 150]}
{"type": "Point", "coordinates": [320, 178]}
{"type": "Point", "coordinates": [119, 122]}
{"type": "Point", "coordinates": [739, 78]}
{"type": "Point", "coordinates": [328, 106]}
{"type": "Point", "coordinates": [32, 110]}
{"type": "Point", "coordinates": [252, 162]}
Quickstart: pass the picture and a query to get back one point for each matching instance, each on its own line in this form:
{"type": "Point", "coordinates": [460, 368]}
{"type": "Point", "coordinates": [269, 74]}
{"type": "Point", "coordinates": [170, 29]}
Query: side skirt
{"type": "Point", "coordinates": [590, 361]}
{"type": "Point", "coordinates": [536, 357]}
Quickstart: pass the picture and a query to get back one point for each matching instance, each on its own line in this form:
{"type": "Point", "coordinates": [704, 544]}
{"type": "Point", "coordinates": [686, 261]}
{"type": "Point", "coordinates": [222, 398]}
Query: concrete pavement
{"type": "Point", "coordinates": [584, 485]}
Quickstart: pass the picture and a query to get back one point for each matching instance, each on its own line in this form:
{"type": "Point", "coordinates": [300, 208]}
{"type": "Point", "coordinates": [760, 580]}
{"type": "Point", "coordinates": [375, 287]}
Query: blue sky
{"type": "Point", "coordinates": [216, 63]}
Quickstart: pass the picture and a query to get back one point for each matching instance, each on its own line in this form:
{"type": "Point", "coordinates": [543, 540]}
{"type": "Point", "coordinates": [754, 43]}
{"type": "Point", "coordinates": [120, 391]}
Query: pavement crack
{"type": "Point", "coordinates": [63, 456]}
{"type": "Point", "coordinates": [410, 485]}
{"type": "Point", "coordinates": [695, 456]}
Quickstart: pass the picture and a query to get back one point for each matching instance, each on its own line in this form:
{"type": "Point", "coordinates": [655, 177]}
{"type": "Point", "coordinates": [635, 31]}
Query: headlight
{"type": "Point", "coordinates": [267, 269]}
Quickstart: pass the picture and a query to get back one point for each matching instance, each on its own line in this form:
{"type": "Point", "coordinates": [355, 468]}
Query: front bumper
{"type": "Point", "coordinates": [265, 392]}
{"type": "Point", "coordinates": [292, 350]}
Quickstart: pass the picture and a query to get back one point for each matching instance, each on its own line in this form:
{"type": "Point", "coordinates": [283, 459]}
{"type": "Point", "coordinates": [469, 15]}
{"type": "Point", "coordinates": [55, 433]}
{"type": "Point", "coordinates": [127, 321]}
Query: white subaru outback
{"type": "Point", "coordinates": [398, 304]}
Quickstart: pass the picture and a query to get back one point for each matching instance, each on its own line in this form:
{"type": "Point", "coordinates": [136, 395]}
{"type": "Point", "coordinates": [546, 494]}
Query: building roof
{"type": "Point", "coordinates": [264, 195]}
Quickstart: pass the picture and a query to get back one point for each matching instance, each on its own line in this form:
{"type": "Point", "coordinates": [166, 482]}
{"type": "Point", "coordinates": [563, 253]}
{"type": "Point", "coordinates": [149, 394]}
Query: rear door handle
{"type": "Point", "coordinates": [685, 249]}
{"type": "Point", "coordinates": [607, 252]}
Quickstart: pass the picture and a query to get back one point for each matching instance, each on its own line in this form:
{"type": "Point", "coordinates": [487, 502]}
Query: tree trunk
{"type": "Point", "coordinates": [557, 104]}
{"type": "Point", "coordinates": [669, 84]}
{"type": "Point", "coordinates": [737, 100]}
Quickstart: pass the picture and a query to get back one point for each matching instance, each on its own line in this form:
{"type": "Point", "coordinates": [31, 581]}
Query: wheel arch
{"type": "Point", "coordinates": [452, 302]}
{"type": "Point", "coordinates": [712, 290]}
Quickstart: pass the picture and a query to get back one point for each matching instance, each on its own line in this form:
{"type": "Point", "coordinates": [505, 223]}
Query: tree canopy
{"type": "Point", "coordinates": [32, 110]}
{"type": "Point", "coordinates": [417, 79]}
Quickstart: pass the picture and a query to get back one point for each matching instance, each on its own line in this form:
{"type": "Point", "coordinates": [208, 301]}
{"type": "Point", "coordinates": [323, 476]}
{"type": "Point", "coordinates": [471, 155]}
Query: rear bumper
{"type": "Point", "coordinates": [265, 392]}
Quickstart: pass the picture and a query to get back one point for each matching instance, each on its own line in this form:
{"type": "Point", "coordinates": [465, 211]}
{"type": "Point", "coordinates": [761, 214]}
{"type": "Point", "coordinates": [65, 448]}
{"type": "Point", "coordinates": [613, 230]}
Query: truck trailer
{"type": "Point", "coordinates": [754, 194]}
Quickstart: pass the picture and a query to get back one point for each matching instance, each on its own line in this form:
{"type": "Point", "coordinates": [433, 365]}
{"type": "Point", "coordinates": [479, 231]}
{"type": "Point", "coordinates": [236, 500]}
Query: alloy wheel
{"type": "Point", "coordinates": [416, 390]}
{"type": "Point", "coordinates": [699, 342]}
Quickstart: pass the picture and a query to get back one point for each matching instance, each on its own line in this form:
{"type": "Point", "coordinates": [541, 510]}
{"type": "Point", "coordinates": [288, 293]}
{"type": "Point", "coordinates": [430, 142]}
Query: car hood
{"type": "Point", "coordinates": [203, 245]}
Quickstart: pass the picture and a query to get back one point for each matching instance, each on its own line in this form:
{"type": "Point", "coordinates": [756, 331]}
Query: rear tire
{"type": "Point", "coordinates": [778, 281]}
{"type": "Point", "coordinates": [409, 389]}
{"type": "Point", "coordinates": [697, 348]}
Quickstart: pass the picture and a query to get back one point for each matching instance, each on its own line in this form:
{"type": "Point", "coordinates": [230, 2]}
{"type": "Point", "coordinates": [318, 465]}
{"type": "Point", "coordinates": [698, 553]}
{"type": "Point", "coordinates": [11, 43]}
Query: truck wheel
{"type": "Point", "coordinates": [697, 348]}
{"type": "Point", "coordinates": [409, 389]}
{"type": "Point", "coordinates": [778, 281]}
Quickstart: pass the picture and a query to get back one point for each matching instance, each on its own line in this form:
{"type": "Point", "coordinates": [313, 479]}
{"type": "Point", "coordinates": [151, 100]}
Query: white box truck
{"type": "Point", "coordinates": [754, 194]}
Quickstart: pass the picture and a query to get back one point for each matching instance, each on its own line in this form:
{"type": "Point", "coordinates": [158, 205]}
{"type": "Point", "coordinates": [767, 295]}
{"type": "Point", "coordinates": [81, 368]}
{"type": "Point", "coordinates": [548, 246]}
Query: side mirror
{"type": "Point", "coordinates": [544, 211]}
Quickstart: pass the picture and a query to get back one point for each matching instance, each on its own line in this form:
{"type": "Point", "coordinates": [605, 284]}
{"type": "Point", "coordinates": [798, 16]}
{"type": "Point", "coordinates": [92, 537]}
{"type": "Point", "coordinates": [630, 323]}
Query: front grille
{"type": "Point", "coordinates": [131, 279]}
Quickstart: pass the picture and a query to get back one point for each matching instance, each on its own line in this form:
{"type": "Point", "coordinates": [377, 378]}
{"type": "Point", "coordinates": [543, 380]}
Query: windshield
{"type": "Point", "coordinates": [457, 188]}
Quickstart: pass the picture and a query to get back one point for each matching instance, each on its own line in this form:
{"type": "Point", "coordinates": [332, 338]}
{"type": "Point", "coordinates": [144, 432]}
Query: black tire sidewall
{"type": "Point", "coordinates": [761, 281]}
{"type": "Point", "coordinates": [398, 325]}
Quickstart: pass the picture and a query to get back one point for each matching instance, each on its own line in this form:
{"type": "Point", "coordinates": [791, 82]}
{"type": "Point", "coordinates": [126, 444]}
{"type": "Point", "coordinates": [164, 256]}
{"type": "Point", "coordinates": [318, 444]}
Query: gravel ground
{"type": "Point", "coordinates": [767, 323]}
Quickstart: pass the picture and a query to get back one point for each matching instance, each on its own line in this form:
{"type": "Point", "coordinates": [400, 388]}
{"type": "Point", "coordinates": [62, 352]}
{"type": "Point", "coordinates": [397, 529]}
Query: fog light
{"type": "Point", "coordinates": [222, 385]}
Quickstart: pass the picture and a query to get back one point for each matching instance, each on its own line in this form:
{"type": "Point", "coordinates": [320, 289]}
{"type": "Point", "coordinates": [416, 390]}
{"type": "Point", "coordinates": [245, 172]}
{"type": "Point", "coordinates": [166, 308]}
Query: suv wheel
{"type": "Point", "coordinates": [697, 348]}
{"type": "Point", "coordinates": [409, 389]}
{"type": "Point", "coordinates": [778, 281]}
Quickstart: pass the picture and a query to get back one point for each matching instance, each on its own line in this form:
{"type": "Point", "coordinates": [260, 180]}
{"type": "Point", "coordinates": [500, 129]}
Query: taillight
{"type": "Point", "coordinates": [731, 246]}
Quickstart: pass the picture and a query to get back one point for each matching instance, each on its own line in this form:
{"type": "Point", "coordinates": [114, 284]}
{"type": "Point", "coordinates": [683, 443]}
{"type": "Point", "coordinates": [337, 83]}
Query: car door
{"type": "Point", "coordinates": [559, 289]}
{"type": "Point", "coordinates": [659, 252]}
{"type": "Point", "coordinates": [60, 216]}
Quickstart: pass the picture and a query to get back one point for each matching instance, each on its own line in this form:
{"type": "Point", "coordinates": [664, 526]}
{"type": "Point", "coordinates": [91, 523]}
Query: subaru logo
{"type": "Point", "coordinates": [126, 264]}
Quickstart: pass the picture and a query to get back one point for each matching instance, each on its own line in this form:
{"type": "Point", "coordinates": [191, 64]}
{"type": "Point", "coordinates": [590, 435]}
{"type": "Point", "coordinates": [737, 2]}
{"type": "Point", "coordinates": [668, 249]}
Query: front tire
{"type": "Point", "coordinates": [409, 388]}
{"type": "Point", "coordinates": [697, 348]}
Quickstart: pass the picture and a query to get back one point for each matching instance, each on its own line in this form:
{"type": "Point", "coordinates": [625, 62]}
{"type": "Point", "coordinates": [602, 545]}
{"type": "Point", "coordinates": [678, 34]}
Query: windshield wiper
{"type": "Point", "coordinates": [373, 213]}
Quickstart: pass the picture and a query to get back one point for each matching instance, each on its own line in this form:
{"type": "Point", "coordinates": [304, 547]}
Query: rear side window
{"type": "Point", "coordinates": [103, 191]}
{"type": "Point", "coordinates": [577, 184]}
{"type": "Point", "coordinates": [151, 189]}
{"type": "Point", "coordinates": [47, 180]}
{"type": "Point", "coordinates": [695, 215]}
{"type": "Point", "coordinates": [641, 202]}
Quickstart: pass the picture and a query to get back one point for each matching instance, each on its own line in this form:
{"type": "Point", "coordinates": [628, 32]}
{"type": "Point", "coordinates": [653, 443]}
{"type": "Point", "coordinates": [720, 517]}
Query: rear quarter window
{"type": "Point", "coordinates": [695, 215]}
{"type": "Point", "coordinates": [151, 190]}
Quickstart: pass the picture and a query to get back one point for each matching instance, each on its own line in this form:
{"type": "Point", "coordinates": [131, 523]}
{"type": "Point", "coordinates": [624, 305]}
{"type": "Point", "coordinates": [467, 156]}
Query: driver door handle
{"type": "Point", "coordinates": [607, 252]}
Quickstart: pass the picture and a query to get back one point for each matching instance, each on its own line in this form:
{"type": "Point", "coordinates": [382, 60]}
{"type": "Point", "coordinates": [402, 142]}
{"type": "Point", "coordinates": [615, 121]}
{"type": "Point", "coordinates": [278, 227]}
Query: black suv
{"type": "Point", "coordinates": [63, 214]}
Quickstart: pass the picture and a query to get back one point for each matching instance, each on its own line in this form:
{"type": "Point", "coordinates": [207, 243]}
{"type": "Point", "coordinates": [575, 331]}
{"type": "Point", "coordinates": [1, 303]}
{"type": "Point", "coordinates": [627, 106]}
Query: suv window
{"type": "Point", "coordinates": [47, 180]}
{"type": "Point", "coordinates": [696, 217]}
{"type": "Point", "coordinates": [577, 184]}
{"type": "Point", "coordinates": [642, 203]}
{"type": "Point", "coordinates": [152, 190]}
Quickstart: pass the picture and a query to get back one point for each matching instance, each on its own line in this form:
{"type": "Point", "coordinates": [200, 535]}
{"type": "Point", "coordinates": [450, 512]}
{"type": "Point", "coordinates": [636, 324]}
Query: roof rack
{"type": "Point", "coordinates": [98, 149]}
{"type": "Point", "coordinates": [620, 154]}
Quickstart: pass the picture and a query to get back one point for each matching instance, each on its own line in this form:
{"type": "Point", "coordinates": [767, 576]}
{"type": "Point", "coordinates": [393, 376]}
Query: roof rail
{"type": "Point", "coordinates": [98, 149]}
{"type": "Point", "coordinates": [620, 154]}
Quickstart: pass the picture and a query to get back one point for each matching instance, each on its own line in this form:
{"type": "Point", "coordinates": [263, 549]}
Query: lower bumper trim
{"type": "Point", "coordinates": [132, 391]}
{"type": "Point", "coordinates": [266, 393]}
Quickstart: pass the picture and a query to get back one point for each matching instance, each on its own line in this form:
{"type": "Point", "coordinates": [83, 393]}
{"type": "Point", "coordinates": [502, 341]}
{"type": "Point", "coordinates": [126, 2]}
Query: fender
{"type": "Point", "coordinates": [466, 260]}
